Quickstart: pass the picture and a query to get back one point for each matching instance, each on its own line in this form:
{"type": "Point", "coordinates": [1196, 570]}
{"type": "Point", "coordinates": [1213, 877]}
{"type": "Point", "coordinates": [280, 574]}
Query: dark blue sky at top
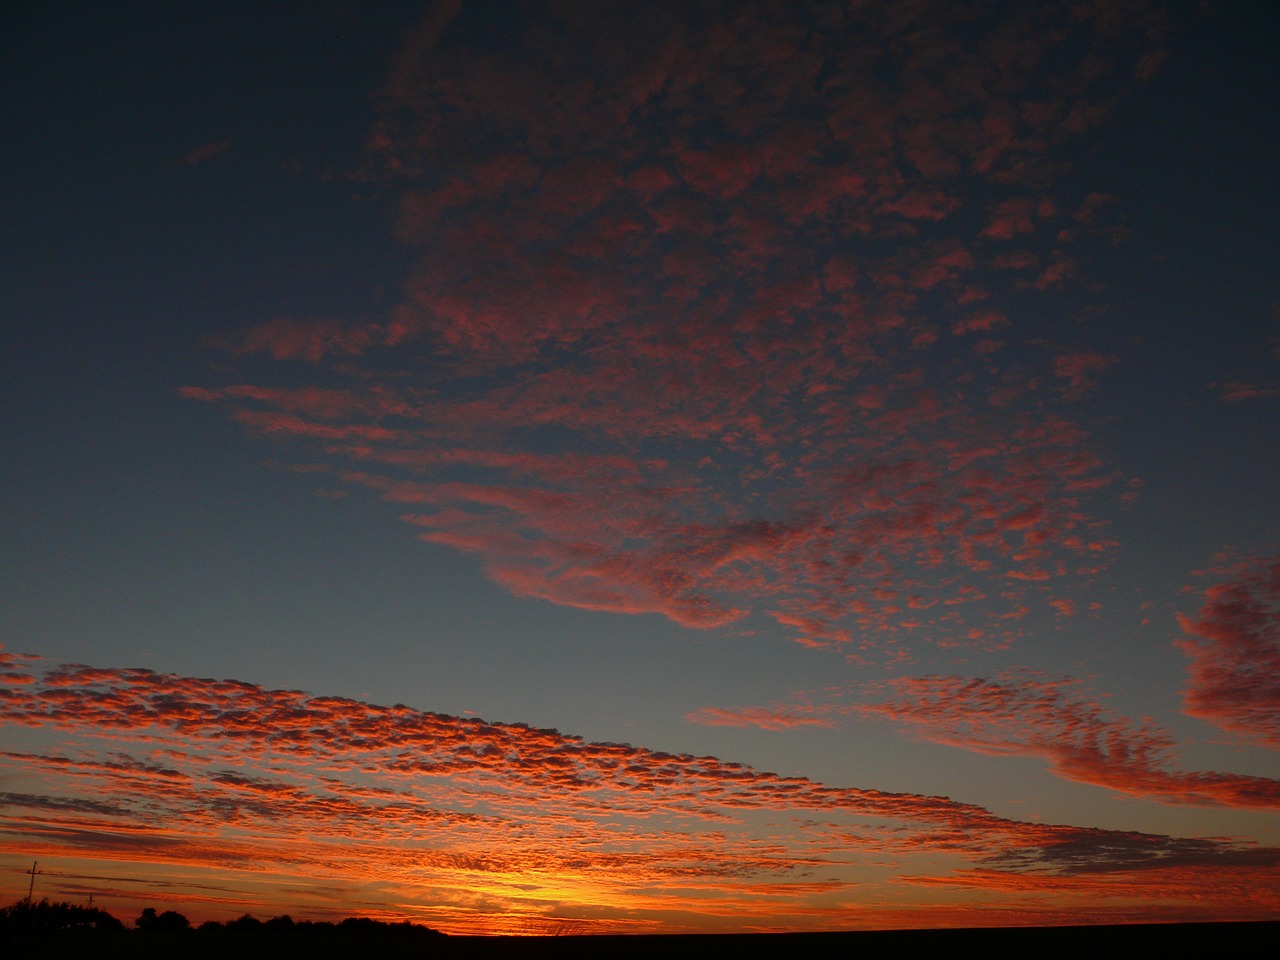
{"type": "Point", "coordinates": [130, 511]}
{"type": "Point", "coordinates": [120, 261]}
{"type": "Point", "coordinates": [269, 287]}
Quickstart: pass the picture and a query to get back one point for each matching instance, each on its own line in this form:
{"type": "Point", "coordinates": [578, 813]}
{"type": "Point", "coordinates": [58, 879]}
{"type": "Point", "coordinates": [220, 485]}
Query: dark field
{"type": "Point", "coordinates": [1236, 939]}
{"type": "Point", "coordinates": [1242, 937]}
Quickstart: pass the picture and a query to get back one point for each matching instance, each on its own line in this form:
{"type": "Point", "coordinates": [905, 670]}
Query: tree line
{"type": "Point", "coordinates": [28, 919]}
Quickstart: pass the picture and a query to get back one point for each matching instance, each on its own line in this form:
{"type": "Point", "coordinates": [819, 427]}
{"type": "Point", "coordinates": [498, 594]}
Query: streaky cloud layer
{"type": "Point", "coordinates": [475, 826]}
{"type": "Point", "coordinates": [1024, 713]}
{"type": "Point", "coordinates": [1081, 740]}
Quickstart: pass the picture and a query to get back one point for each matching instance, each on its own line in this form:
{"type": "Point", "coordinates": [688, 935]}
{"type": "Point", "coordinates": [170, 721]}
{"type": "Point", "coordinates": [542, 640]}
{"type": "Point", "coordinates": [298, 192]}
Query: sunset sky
{"type": "Point", "coordinates": [635, 467]}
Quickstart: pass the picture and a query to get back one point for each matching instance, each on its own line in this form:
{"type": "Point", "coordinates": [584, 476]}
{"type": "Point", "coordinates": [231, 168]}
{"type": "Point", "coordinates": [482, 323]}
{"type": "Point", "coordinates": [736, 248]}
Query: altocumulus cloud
{"type": "Point", "coordinates": [477, 825]}
{"type": "Point", "coordinates": [707, 318]}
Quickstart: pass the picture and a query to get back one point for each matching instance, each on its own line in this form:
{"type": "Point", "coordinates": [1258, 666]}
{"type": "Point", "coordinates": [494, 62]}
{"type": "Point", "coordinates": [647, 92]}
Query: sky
{"type": "Point", "coordinates": [624, 467]}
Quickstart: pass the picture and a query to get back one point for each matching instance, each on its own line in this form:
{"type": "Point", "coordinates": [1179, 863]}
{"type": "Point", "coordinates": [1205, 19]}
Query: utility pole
{"type": "Point", "coordinates": [32, 886]}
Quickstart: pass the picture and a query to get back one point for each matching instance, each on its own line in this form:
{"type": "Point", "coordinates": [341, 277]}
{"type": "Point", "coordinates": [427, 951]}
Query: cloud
{"type": "Point", "coordinates": [1099, 897]}
{"type": "Point", "coordinates": [1082, 741]}
{"type": "Point", "coordinates": [1081, 369]}
{"type": "Point", "coordinates": [1233, 643]}
{"type": "Point", "coordinates": [724, 252]}
{"type": "Point", "coordinates": [206, 152]}
{"type": "Point", "coordinates": [286, 339]}
{"type": "Point", "coordinates": [290, 800]}
{"type": "Point", "coordinates": [759, 717]}
{"type": "Point", "coordinates": [1010, 218]}
{"type": "Point", "coordinates": [1023, 714]}
{"type": "Point", "coordinates": [1238, 390]}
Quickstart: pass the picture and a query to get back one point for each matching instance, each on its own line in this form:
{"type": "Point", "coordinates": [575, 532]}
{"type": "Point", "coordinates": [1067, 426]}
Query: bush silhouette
{"type": "Point", "coordinates": [25, 917]}
{"type": "Point", "coordinates": [167, 922]}
{"type": "Point", "coordinates": [94, 932]}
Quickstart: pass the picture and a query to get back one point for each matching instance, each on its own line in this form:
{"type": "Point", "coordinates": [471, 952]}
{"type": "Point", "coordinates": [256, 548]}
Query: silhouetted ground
{"type": "Point", "coordinates": [1229, 939]}
{"type": "Point", "coordinates": [1224, 937]}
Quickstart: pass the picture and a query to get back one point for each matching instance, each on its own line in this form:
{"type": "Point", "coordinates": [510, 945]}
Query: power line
{"type": "Point", "coordinates": [32, 886]}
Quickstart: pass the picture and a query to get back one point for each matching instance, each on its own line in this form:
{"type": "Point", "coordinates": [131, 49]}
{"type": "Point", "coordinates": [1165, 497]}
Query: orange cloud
{"type": "Point", "coordinates": [237, 797]}
{"type": "Point", "coordinates": [760, 717]}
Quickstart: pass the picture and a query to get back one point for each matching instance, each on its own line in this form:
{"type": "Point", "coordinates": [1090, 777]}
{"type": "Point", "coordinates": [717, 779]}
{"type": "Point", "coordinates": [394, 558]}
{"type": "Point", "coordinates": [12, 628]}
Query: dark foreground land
{"type": "Point", "coordinates": [1232, 937]}
{"type": "Point", "coordinates": [1227, 938]}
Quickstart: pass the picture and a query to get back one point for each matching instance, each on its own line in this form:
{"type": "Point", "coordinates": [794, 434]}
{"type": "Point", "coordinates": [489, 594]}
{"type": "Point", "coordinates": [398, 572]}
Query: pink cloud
{"type": "Point", "coordinates": [739, 281]}
{"type": "Point", "coordinates": [1233, 643]}
{"type": "Point", "coordinates": [1080, 739]}
{"type": "Point", "coordinates": [1238, 390]}
{"type": "Point", "coordinates": [286, 339]}
{"type": "Point", "coordinates": [1081, 369]}
{"type": "Point", "coordinates": [982, 322]}
{"type": "Point", "coordinates": [1010, 218]}
{"type": "Point", "coordinates": [206, 152]}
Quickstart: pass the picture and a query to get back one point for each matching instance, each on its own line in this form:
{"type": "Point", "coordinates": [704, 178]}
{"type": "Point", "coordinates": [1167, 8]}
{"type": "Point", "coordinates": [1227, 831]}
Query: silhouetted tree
{"type": "Point", "coordinates": [25, 917]}
{"type": "Point", "coordinates": [167, 922]}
